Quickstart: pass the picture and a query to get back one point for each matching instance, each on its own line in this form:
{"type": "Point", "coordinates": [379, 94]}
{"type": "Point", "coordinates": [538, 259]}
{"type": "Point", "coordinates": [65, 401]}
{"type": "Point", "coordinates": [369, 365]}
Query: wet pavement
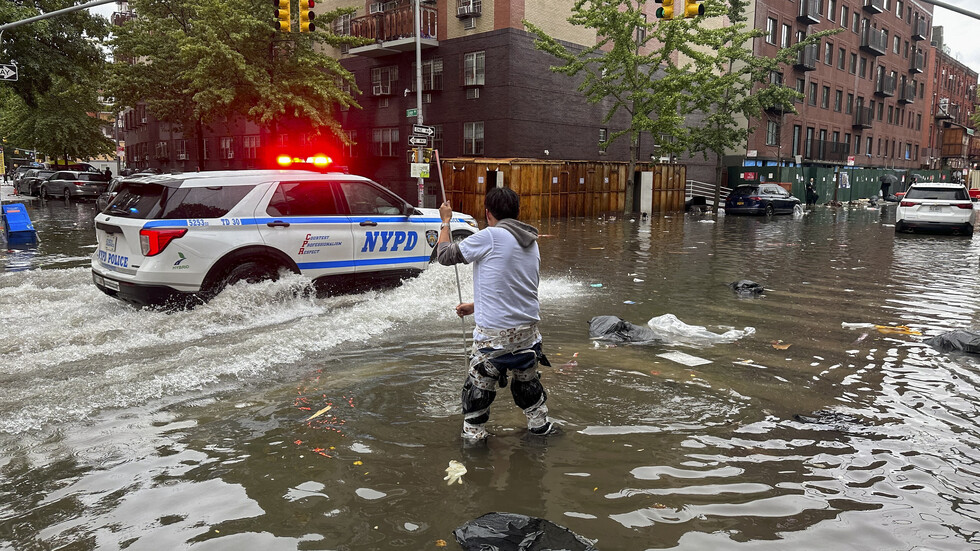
{"type": "Point", "coordinates": [138, 429]}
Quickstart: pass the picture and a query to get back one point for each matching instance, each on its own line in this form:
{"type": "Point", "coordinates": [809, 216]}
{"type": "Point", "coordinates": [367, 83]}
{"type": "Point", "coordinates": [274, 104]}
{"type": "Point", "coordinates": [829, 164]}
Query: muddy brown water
{"type": "Point", "coordinates": [137, 429]}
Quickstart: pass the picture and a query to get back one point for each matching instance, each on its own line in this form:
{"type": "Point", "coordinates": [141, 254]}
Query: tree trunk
{"type": "Point", "coordinates": [719, 170]}
{"type": "Point", "coordinates": [199, 130]}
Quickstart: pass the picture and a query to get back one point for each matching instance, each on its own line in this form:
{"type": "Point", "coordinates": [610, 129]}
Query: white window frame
{"type": "Point", "coordinates": [251, 145]}
{"type": "Point", "coordinates": [474, 68]}
{"type": "Point", "coordinates": [473, 138]}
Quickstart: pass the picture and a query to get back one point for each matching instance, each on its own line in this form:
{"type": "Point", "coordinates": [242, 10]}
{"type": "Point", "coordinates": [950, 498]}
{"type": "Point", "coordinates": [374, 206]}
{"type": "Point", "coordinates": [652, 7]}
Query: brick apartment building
{"type": "Point", "coordinates": [870, 96]}
{"type": "Point", "coordinates": [866, 90]}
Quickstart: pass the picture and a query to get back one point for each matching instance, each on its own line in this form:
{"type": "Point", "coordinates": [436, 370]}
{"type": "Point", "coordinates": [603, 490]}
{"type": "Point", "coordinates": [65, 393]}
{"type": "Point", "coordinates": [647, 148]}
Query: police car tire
{"type": "Point", "coordinates": [250, 271]}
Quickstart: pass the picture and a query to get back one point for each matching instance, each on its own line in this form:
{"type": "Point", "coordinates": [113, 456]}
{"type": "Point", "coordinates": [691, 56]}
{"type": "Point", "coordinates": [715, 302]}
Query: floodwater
{"type": "Point", "coordinates": [137, 429]}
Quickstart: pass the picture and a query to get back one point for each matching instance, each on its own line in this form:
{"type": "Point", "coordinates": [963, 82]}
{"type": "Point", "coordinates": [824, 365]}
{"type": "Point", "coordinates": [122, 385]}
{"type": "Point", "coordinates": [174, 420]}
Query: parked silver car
{"type": "Point", "coordinates": [72, 184]}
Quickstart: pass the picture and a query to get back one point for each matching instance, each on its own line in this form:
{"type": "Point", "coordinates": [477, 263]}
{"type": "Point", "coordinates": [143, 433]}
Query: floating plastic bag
{"type": "Point", "coordinates": [618, 330]}
{"type": "Point", "coordinates": [512, 532]}
{"type": "Point", "coordinates": [674, 331]}
{"type": "Point", "coordinates": [455, 472]}
{"type": "Point", "coordinates": [746, 288]}
{"type": "Point", "coordinates": [964, 341]}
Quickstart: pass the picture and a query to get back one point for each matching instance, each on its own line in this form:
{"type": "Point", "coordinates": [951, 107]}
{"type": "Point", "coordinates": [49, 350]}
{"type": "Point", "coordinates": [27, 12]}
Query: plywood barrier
{"type": "Point", "coordinates": [558, 189]}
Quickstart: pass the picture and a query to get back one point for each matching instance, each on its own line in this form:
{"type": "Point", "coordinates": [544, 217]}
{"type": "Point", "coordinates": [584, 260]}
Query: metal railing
{"type": "Point", "coordinates": [703, 189]}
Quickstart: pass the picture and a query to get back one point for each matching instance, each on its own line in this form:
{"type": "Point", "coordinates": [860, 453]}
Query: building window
{"type": "Point", "coordinates": [251, 144]}
{"type": "Point", "coordinates": [772, 133]}
{"type": "Point", "coordinates": [771, 30]}
{"type": "Point", "coordinates": [843, 16]}
{"type": "Point", "coordinates": [825, 98]}
{"type": "Point", "coordinates": [838, 100]}
{"type": "Point", "coordinates": [342, 28]}
{"type": "Point", "coordinates": [603, 136]}
{"type": "Point", "coordinates": [801, 87]}
{"type": "Point", "coordinates": [881, 111]}
{"type": "Point", "coordinates": [797, 130]}
{"type": "Point", "coordinates": [431, 75]}
{"type": "Point", "coordinates": [227, 147]}
{"type": "Point", "coordinates": [852, 65]}
{"type": "Point", "coordinates": [384, 141]}
{"type": "Point", "coordinates": [382, 78]}
{"type": "Point", "coordinates": [828, 53]}
{"type": "Point", "coordinates": [841, 58]}
{"type": "Point", "coordinates": [863, 67]}
{"type": "Point", "coordinates": [831, 9]}
{"type": "Point", "coordinates": [473, 138]}
{"type": "Point", "coordinates": [350, 148]}
{"type": "Point", "coordinates": [891, 111]}
{"type": "Point", "coordinates": [180, 150]}
{"type": "Point", "coordinates": [207, 149]}
{"type": "Point", "coordinates": [787, 36]}
{"type": "Point", "coordinates": [857, 146]}
{"type": "Point", "coordinates": [437, 137]}
{"type": "Point", "coordinates": [849, 106]}
{"type": "Point", "coordinates": [808, 145]}
{"type": "Point", "coordinates": [897, 45]}
{"type": "Point", "coordinates": [474, 68]}
{"type": "Point", "coordinates": [813, 94]}
{"type": "Point", "coordinates": [855, 22]}
{"type": "Point", "coordinates": [161, 151]}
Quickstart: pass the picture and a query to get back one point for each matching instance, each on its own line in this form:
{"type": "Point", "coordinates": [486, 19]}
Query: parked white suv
{"type": "Point", "coordinates": [936, 207]}
{"type": "Point", "coordinates": [180, 239]}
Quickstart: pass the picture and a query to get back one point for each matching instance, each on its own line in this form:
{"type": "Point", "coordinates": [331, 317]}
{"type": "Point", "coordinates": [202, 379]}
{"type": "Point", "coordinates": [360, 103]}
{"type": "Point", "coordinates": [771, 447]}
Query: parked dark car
{"type": "Point", "coordinates": [767, 199]}
{"type": "Point", "coordinates": [30, 182]}
{"type": "Point", "coordinates": [71, 184]}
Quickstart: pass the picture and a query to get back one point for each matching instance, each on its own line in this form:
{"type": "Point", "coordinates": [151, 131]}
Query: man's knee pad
{"type": "Point", "coordinates": [527, 389]}
{"type": "Point", "coordinates": [478, 393]}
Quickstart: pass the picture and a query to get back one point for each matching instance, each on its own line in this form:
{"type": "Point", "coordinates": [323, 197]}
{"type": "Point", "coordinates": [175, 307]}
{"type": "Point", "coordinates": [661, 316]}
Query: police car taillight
{"type": "Point", "coordinates": [154, 240]}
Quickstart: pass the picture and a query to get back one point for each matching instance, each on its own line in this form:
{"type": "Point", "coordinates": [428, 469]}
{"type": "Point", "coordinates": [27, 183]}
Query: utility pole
{"type": "Point", "coordinates": [418, 92]}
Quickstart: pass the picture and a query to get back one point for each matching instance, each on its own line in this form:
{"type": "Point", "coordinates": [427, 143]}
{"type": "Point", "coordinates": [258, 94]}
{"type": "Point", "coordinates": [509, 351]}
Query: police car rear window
{"type": "Point", "coordinates": [155, 201]}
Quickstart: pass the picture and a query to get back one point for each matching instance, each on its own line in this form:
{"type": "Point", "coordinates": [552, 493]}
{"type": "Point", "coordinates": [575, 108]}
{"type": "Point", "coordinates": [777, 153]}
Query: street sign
{"type": "Point", "coordinates": [417, 140]}
{"type": "Point", "coordinates": [8, 72]}
{"type": "Point", "coordinates": [420, 130]}
{"type": "Point", "coordinates": [420, 170]}
{"type": "Point", "coordinates": [413, 112]}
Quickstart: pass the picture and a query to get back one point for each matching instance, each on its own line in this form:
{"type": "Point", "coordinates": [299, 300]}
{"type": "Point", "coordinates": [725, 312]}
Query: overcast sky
{"type": "Point", "coordinates": [960, 31]}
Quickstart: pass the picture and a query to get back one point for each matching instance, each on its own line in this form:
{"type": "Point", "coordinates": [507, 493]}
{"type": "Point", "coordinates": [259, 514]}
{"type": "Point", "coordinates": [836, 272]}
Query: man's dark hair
{"type": "Point", "coordinates": [502, 203]}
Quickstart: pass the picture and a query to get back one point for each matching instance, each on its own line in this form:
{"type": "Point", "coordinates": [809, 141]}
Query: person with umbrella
{"type": "Point", "coordinates": [886, 182]}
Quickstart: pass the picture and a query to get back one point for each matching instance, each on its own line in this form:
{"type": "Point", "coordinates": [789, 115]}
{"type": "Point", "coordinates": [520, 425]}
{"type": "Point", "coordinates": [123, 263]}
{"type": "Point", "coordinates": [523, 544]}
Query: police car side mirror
{"type": "Point", "coordinates": [408, 210]}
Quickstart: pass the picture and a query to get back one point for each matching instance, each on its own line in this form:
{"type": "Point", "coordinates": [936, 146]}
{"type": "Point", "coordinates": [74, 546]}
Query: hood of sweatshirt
{"type": "Point", "coordinates": [525, 234]}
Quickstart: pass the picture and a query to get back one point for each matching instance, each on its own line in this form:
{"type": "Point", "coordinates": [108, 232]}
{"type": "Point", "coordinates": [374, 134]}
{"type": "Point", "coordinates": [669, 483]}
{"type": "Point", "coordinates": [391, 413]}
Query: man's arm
{"type": "Point", "coordinates": [447, 252]}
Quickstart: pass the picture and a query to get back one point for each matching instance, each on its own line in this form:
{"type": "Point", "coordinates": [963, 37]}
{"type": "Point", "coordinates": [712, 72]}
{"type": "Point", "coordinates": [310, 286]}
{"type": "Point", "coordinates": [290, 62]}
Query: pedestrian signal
{"type": "Point", "coordinates": [306, 16]}
{"type": "Point", "coordinates": [413, 155]}
{"type": "Point", "coordinates": [282, 22]}
{"type": "Point", "coordinates": [693, 8]}
{"type": "Point", "coordinates": [666, 11]}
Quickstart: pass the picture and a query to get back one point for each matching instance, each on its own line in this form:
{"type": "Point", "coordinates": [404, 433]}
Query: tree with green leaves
{"type": "Point", "coordinates": [646, 86]}
{"type": "Point", "coordinates": [192, 62]}
{"type": "Point", "coordinates": [731, 84]}
{"type": "Point", "coordinates": [667, 74]}
{"type": "Point", "coordinates": [62, 124]}
{"type": "Point", "coordinates": [61, 63]}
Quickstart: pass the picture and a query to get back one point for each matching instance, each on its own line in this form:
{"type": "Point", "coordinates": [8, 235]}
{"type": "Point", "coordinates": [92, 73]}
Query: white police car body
{"type": "Point", "coordinates": [180, 239]}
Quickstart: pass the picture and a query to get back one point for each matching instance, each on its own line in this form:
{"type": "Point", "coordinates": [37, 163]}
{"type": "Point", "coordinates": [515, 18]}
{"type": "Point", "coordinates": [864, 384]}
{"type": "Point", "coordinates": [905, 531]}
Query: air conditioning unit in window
{"type": "Point", "coordinates": [382, 89]}
{"type": "Point", "coordinates": [182, 156]}
{"type": "Point", "coordinates": [467, 10]}
{"type": "Point", "coordinates": [143, 120]}
{"type": "Point", "coordinates": [229, 154]}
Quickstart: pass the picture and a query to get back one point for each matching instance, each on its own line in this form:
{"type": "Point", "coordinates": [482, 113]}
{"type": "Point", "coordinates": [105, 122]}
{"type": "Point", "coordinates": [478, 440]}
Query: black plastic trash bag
{"type": "Point", "coordinates": [616, 329]}
{"type": "Point", "coordinates": [512, 532]}
{"type": "Point", "coordinates": [746, 288]}
{"type": "Point", "coordinates": [964, 341]}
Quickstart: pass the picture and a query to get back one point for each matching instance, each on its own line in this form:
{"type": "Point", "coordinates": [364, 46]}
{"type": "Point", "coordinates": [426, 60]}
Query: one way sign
{"type": "Point", "coordinates": [8, 72]}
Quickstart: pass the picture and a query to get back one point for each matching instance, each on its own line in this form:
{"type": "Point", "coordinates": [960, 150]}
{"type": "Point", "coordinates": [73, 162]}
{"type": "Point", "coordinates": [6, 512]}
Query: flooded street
{"type": "Point", "coordinates": [138, 429]}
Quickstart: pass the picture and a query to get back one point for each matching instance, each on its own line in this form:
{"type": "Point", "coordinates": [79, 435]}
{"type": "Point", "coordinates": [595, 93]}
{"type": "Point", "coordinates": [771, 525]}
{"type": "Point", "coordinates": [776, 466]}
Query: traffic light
{"type": "Point", "coordinates": [693, 8]}
{"type": "Point", "coordinates": [282, 15]}
{"type": "Point", "coordinates": [306, 16]}
{"type": "Point", "coordinates": [666, 11]}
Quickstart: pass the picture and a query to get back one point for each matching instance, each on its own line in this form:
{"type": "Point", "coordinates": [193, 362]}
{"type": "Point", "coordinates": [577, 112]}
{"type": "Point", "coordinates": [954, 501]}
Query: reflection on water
{"type": "Point", "coordinates": [123, 428]}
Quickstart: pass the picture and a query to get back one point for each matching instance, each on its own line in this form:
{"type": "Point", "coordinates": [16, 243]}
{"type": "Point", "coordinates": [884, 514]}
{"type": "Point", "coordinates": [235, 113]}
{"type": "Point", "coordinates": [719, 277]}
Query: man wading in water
{"type": "Point", "coordinates": [506, 263]}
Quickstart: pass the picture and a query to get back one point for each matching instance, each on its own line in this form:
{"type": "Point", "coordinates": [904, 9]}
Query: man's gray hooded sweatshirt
{"type": "Point", "coordinates": [526, 234]}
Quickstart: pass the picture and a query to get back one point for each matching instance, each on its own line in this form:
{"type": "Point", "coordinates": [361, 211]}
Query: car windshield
{"type": "Point", "coordinates": [940, 193]}
{"type": "Point", "coordinates": [746, 190]}
{"type": "Point", "coordinates": [91, 177]}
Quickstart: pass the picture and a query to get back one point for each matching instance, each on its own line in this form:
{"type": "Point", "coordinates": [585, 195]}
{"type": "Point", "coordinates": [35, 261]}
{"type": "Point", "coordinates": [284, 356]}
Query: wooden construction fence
{"type": "Point", "coordinates": [558, 189]}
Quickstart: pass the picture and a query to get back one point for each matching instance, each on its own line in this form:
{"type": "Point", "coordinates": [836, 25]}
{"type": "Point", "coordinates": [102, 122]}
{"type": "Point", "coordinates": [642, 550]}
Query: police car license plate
{"type": "Point", "coordinates": [110, 243]}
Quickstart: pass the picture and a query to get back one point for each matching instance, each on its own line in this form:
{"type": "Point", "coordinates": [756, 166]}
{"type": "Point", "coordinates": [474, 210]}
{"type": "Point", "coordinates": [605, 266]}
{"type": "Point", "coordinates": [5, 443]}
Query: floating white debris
{"type": "Point", "coordinates": [685, 359]}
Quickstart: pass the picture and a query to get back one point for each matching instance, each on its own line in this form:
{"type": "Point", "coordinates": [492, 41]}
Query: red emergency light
{"type": "Point", "coordinates": [317, 161]}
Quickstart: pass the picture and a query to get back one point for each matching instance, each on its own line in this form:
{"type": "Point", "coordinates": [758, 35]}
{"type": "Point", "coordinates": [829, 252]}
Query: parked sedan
{"type": "Point", "coordinates": [72, 184]}
{"type": "Point", "coordinates": [767, 199]}
{"type": "Point", "coordinates": [30, 182]}
{"type": "Point", "coordinates": [934, 206]}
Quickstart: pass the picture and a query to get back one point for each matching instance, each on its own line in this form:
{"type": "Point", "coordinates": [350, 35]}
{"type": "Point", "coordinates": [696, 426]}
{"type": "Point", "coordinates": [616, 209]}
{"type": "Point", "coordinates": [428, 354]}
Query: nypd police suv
{"type": "Point", "coordinates": [179, 239]}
